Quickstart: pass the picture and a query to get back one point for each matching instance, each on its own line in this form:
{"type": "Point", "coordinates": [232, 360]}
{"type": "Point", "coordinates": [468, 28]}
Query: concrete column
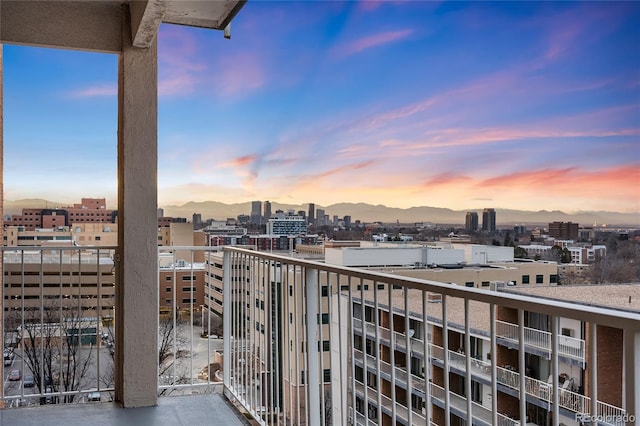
{"type": "Point", "coordinates": [137, 291]}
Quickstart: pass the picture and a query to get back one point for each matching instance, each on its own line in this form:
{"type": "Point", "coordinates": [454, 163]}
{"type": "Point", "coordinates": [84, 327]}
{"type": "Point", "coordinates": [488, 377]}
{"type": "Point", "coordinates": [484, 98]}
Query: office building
{"type": "Point", "coordinates": [311, 216]}
{"type": "Point", "coordinates": [471, 222]}
{"type": "Point", "coordinates": [287, 224]}
{"type": "Point", "coordinates": [564, 230]}
{"type": "Point", "coordinates": [256, 212]}
{"type": "Point", "coordinates": [489, 220]}
{"type": "Point", "coordinates": [267, 210]}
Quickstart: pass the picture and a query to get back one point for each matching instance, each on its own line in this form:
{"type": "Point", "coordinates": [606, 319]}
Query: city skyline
{"type": "Point", "coordinates": [526, 106]}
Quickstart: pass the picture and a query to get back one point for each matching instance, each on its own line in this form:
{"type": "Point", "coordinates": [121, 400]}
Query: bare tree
{"type": "Point", "coordinates": [172, 347]}
{"type": "Point", "coordinates": [57, 344]}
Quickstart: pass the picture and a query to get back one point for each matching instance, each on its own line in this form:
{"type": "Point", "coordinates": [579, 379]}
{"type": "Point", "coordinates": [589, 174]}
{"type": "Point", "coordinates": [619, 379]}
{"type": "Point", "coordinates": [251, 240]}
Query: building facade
{"type": "Point", "coordinates": [489, 220]}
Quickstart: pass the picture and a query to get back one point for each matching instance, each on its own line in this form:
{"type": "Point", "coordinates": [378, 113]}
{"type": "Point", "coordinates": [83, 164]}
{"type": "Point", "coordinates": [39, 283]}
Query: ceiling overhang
{"type": "Point", "coordinates": [96, 25]}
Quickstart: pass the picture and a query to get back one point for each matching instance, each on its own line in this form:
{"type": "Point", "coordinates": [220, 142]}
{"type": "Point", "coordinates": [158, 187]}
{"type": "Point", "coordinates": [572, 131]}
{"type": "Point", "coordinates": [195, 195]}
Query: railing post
{"type": "Point", "coordinates": [313, 373]}
{"type": "Point", "coordinates": [631, 374]}
{"type": "Point", "coordinates": [521, 367]}
{"type": "Point", "coordinates": [593, 382]}
{"type": "Point", "coordinates": [226, 318]}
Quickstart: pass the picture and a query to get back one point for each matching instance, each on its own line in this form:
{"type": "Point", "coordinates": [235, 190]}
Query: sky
{"type": "Point", "coordinates": [523, 105]}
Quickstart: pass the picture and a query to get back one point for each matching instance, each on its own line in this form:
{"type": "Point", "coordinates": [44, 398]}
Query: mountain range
{"type": "Point", "coordinates": [375, 213]}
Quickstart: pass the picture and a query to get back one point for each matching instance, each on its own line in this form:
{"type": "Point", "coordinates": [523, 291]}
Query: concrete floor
{"type": "Point", "coordinates": [192, 410]}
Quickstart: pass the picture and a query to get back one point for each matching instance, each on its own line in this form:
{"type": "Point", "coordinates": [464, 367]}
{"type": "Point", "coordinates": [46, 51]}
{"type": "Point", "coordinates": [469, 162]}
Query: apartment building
{"type": "Point", "coordinates": [276, 309]}
{"type": "Point", "coordinates": [448, 347]}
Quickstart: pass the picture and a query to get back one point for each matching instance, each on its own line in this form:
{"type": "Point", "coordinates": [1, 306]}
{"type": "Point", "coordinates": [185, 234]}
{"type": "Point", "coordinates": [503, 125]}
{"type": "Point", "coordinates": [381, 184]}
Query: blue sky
{"type": "Point", "coordinates": [525, 105]}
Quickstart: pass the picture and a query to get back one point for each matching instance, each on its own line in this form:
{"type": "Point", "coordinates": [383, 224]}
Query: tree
{"type": "Point", "coordinates": [520, 253]}
{"type": "Point", "coordinates": [57, 345]}
{"type": "Point", "coordinates": [172, 346]}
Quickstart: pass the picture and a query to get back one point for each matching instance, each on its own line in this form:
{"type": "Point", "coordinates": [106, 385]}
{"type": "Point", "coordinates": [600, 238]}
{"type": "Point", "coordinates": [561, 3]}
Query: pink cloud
{"type": "Point", "coordinates": [371, 41]}
{"type": "Point", "coordinates": [621, 180]}
{"type": "Point", "coordinates": [240, 161]}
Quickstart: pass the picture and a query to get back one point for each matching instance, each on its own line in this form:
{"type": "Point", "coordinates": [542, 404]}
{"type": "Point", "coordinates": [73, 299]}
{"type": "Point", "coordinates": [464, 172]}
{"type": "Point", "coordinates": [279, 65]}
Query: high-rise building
{"type": "Point", "coordinates": [471, 222]}
{"type": "Point", "coordinates": [197, 221]}
{"type": "Point", "coordinates": [320, 218]}
{"type": "Point", "coordinates": [563, 230]}
{"type": "Point", "coordinates": [267, 210]}
{"type": "Point", "coordinates": [256, 212]}
{"type": "Point", "coordinates": [311, 217]}
{"type": "Point", "coordinates": [489, 220]}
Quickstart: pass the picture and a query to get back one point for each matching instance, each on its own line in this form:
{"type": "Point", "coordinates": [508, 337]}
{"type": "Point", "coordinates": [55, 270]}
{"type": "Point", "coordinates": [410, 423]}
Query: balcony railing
{"type": "Point", "coordinates": [57, 324]}
{"type": "Point", "coordinates": [311, 343]}
{"type": "Point", "coordinates": [569, 347]}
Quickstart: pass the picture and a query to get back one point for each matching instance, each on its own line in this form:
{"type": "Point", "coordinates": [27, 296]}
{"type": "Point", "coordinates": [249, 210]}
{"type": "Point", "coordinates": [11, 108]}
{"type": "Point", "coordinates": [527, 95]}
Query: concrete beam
{"type": "Point", "coordinates": [137, 292]}
{"type": "Point", "coordinates": [82, 25]}
{"type": "Point", "coordinates": [146, 17]}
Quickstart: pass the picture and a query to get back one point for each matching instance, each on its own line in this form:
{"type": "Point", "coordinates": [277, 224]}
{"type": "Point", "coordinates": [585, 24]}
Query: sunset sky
{"type": "Point", "coordinates": [525, 105]}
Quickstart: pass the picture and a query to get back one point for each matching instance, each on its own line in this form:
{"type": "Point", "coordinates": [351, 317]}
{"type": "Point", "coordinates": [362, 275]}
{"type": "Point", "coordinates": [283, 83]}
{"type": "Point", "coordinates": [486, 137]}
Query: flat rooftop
{"type": "Point", "coordinates": [616, 296]}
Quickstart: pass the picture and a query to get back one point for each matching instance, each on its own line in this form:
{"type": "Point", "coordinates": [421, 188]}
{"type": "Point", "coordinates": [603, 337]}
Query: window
{"type": "Point", "coordinates": [525, 279]}
{"type": "Point", "coordinates": [167, 301]}
{"type": "Point", "coordinates": [359, 373]}
{"type": "Point", "coordinates": [344, 288]}
{"type": "Point", "coordinates": [553, 279]}
{"type": "Point", "coordinates": [539, 279]}
{"type": "Point", "coordinates": [189, 289]}
{"type": "Point", "coordinates": [325, 318]}
{"type": "Point", "coordinates": [325, 291]}
{"type": "Point", "coordinates": [485, 283]}
{"type": "Point", "coordinates": [469, 284]}
{"type": "Point", "coordinates": [366, 287]}
{"type": "Point", "coordinates": [168, 289]}
{"type": "Point", "coordinates": [188, 300]}
{"type": "Point", "coordinates": [380, 286]}
{"type": "Point", "coordinates": [326, 375]}
{"type": "Point", "coordinates": [97, 238]}
{"type": "Point", "coordinates": [188, 278]}
{"type": "Point", "coordinates": [368, 314]}
{"type": "Point", "coordinates": [325, 346]}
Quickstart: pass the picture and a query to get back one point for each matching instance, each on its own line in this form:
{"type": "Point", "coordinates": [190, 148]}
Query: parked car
{"type": "Point", "coordinates": [8, 357]}
{"type": "Point", "coordinates": [28, 382]}
{"type": "Point", "coordinates": [93, 396]}
{"type": "Point", "coordinates": [15, 375]}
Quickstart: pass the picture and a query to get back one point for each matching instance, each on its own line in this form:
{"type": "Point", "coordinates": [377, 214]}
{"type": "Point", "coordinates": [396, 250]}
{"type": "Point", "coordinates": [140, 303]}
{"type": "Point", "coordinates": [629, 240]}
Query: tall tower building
{"type": "Point", "coordinates": [267, 210]}
{"type": "Point", "coordinates": [256, 212]}
{"type": "Point", "coordinates": [471, 222]}
{"type": "Point", "coordinates": [489, 220]}
{"type": "Point", "coordinates": [320, 218]}
{"type": "Point", "coordinates": [311, 216]}
{"type": "Point", "coordinates": [197, 221]}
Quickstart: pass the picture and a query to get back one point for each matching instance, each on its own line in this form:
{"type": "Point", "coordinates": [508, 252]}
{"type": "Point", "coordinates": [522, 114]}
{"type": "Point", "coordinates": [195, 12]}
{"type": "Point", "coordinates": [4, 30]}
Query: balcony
{"type": "Point", "coordinates": [302, 343]}
{"type": "Point", "coordinates": [540, 341]}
